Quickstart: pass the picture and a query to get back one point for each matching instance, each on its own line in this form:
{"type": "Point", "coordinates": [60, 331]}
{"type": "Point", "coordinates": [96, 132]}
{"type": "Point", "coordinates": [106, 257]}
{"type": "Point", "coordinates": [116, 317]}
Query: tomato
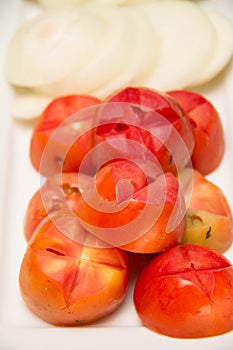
{"type": "Point", "coordinates": [207, 129]}
{"type": "Point", "coordinates": [67, 283]}
{"type": "Point", "coordinates": [59, 192]}
{"type": "Point", "coordinates": [186, 292]}
{"type": "Point", "coordinates": [126, 209]}
{"type": "Point", "coordinates": [209, 220]}
{"type": "Point", "coordinates": [56, 158]}
{"type": "Point", "coordinates": [151, 119]}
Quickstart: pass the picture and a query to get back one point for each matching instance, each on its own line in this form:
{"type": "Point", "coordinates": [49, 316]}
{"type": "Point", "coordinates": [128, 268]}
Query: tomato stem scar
{"type": "Point", "coordinates": [208, 233]}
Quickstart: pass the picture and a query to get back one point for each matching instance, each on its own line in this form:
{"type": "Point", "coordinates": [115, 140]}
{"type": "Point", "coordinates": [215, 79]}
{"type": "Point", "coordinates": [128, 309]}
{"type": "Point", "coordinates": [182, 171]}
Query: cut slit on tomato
{"type": "Point", "coordinates": [186, 293]}
{"type": "Point", "coordinates": [203, 280]}
{"type": "Point", "coordinates": [186, 261]}
{"type": "Point", "coordinates": [188, 268]}
{"type": "Point", "coordinates": [74, 265]}
{"type": "Point", "coordinates": [66, 270]}
{"type": "Point", "coordinates": [54, 251]}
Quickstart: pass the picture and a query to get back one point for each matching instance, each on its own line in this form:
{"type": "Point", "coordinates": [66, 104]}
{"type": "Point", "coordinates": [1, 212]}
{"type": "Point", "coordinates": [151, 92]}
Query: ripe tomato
{"type": "Point", "coordinates": [151, 122]}
{"type": "Point", "coordinates": [67, 283]}
{"type": "Point", "coordinates": [125, 209]}
{"type": "Point", "coordinates": [60, 192]}
{"type": "Point", "coordinates": [207, 130]}
{"type": "Point", "coordinates": [186, 292]}
{"type": "Point", "coordinates": [209, 220]}
{"type": "Point", "coordinates": [57, 159]}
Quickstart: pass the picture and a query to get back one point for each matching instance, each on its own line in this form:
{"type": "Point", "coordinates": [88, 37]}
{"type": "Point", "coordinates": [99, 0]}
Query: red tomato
{"type": "Point", "coordinates": [67, 283]}
{"type": "Point", "coordinates": [57, 159]}
{"type": "Point", "coordinates": [207, 129]}
{"type": "Point", "coordinates": [186, 292]}
{"type": "Point", "coordinates": [209, 219]}
{"type": "Point", "coordinates": [125, 210]}
{"type": "Point", "coordinates": [60, 192]}
{"type": "Point", "coordinates": [151, 126]}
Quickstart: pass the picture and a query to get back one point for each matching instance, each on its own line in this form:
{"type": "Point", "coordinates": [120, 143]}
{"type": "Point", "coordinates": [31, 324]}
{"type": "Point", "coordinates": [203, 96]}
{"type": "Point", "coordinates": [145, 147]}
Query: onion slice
{"type": "Point", "coordinates": [141, 57]}
{"type": "Point", "coordinates": [223, 49]}
{"type": "Point", "coordinates": [188, 40]}
{"type": "Point", "coordinates": [55, 4]}
{"type": "Point", "coordinates": [72, 3]}
{"type": "Point", "coordinates": [27, 105]}
{"type": "Point", "coordinates": [52, 45]}
{"type": "Point", "coordinates": [110, 58]}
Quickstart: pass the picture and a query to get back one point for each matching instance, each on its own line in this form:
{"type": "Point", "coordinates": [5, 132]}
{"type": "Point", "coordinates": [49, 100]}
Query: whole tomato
{"type": "Point", "coordinates": [59, 192]}
{"type": "Point", "coordinates": [150, 118]}
{"type": "Point", "coordinates": [127, 209]}
{"type": "Point", "coordinates": [186, 292]}
{"type": "Point", "coordinates": [209, 220]}
{"type": "Point", "coordinates": [207, 129]}
{"type": "Point", "coordinates": [67, 282]}
{"type": "Point", "coordinates": [64, 149]}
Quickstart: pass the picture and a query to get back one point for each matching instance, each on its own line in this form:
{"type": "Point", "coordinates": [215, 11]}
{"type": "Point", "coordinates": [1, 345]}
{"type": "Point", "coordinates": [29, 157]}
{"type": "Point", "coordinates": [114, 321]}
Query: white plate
{"type": "Point", "coordinates": [21, 330]}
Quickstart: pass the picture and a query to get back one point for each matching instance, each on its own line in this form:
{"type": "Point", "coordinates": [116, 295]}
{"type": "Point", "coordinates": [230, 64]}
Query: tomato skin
{"type": "Point", "coordinates": [59, 110]}
{"type": "Point", "coordinates": [39, 207]}
{"type": "Point", "coordinates": [207, 129]}
{"type": "Point", "coordinates": [159, 103]}
{"type": "Point", "coordinates": [209, 219]}
{"type": "Point", "coordinates": [155, 100]}
{"type": "Point", "coordinates": [140, 225]}
{"type": "Point", "coordinates": [186, 292]}
{"type": "Point", "coordinates": [56, 277]}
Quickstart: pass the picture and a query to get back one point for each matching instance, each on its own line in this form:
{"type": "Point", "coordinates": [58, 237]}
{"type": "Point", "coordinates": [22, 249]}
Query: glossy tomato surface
{"type": "Point", "coordinates": [67, 283]}
{"type": "Point", "coordinates": [207, 129]}
{"type": "Point", "coordinates": [66, 148]}
{"type": "Point", "coordinates": [186, 292]}
{"type": "Point", "coordinates": [127, 209]}
{"type": "Point", "coordinates": [60, 192]}
{"type": "Point", "coordinates": [153, 120]}
{"type": "Point", "coordinates": [209, 218]}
